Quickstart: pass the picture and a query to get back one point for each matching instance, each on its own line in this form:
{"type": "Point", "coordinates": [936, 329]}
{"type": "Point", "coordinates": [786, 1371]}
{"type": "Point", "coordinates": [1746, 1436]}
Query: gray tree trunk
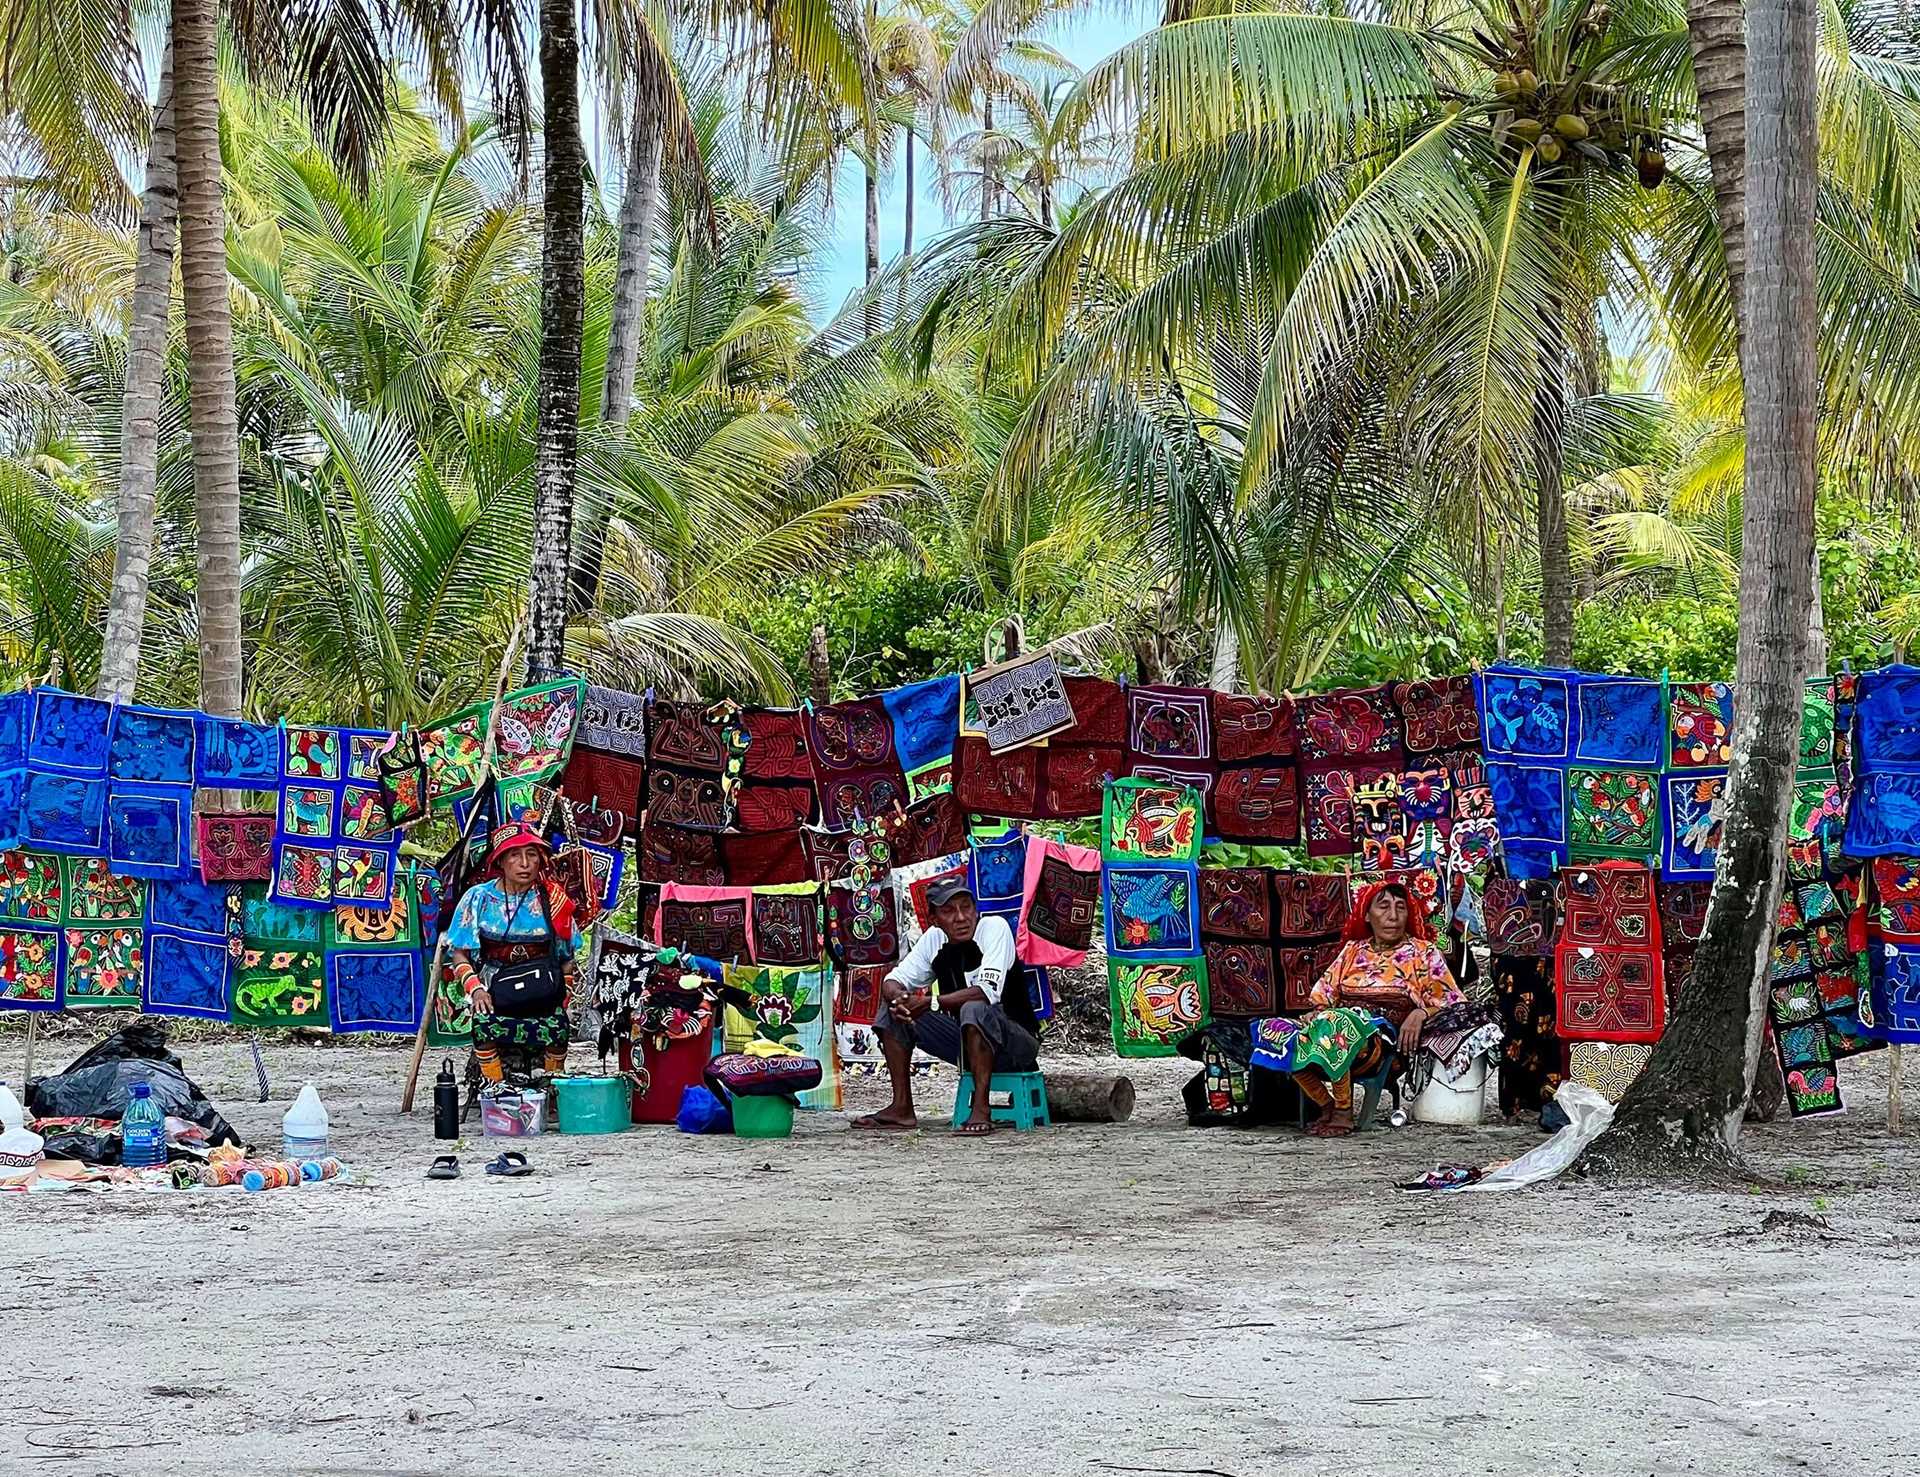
{"type": "Point", "coordinates": [635, 265]}
{"type": "Point", "coordinates": [209, 326]}
{"type": "Point", "coordinates": [1556, 561]}
{"type": "Point", "coordinates": [152, 298]}
{"type": "Point", "coordinates": [1715, 30]}
{"type": "Point", "coordinates": [989, 182]}
{"type": "Point", "coordinates": [1224, 672]}
{"type": "Point", "coordinates": [906, 234]}
{"type": "Point", "coordinates": [1818, 655]}
{"type": "Point", "coordinates": [873, 220]}
{"type": "Point", "coordinates": [633, 270]}
{"type": "Point", "coordinates": [562, 310]}
{"type": "Point", "coordinates": [1687, 1105]}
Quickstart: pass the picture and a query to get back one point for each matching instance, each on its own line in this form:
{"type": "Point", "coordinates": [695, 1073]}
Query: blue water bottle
{"type": "Point", "coordinates": [143, 1131]}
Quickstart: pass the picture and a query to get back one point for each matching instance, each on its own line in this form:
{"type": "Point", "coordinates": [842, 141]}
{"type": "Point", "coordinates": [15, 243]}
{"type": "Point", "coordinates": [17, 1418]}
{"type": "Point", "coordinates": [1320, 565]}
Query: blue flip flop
{"type": "Point", "coordinates": [510, 1165]}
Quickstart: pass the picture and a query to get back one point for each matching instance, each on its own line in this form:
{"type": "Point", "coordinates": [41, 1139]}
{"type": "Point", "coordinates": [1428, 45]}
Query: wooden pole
{"type": "Point", "coordinates": [466, 831]}
{"type": "Point", "coordinates": [819, 668]}
{"type": "Point", "coordinates": [52, 679]}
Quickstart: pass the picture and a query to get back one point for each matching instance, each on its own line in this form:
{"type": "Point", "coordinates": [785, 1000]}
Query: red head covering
{"type": "Point", "coordinates": [514, 834]}
{"type": "Point", "coordinates": [1357, 928]}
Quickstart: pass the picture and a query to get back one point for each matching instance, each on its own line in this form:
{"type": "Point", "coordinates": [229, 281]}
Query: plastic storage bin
{"type": "Point", "coordinates": [593, 1104]}
{"type": "Point", "coordinates": [513, 1113]}
{"type": "Point", "coordinates": [762, 1117]}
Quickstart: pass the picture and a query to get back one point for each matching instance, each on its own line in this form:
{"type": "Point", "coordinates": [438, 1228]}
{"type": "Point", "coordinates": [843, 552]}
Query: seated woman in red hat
{"type": "Point", "coordinates": [1388, 969]}
{"type": "Point", "coordinates": [520, 925]}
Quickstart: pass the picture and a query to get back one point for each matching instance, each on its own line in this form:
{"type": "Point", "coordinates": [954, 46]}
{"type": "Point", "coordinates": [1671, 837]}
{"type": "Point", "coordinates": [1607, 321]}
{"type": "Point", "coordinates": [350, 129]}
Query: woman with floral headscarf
{"type": "Point", "coordinates": [1388, 972]}
{"type": "Point", "coordinates": [520, 924]}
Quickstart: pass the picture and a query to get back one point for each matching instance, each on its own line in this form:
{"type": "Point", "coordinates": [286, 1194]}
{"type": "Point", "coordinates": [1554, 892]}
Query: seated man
{"type": "Point", "coordinates": [959, 995]}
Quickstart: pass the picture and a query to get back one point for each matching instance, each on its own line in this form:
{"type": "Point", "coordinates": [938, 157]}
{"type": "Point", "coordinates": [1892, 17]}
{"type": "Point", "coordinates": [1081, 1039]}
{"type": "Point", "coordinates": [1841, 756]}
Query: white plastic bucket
{"type": "Point", "coordinates": [1456, 1100]}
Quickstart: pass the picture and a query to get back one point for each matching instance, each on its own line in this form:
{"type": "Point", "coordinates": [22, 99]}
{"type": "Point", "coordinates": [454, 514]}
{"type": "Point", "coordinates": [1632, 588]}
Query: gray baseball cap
{"type": "Point", "coordinates": [943, 890]}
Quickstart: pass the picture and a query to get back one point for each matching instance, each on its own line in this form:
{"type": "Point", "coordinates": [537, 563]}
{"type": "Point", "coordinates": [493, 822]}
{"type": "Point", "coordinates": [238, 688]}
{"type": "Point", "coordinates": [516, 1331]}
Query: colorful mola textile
{"type": "Point", "coordinates": [1151, 820]}
{"type": "Point", "coordinates": [1019, 702]}
{"type": "Point", "coordinates": [1352, 755]}
{"type": "Point", "coordinates": [1152, 909]}
{"type": "Point", "coordinates": [1060, 898]}
{"type": "Point", "coordinates": [1256, 792]}
{"type": "Point", "coordinates": [1883, 813]}
{"type": "Point", "coordinates": [1268, 936]}
{"type": "Point", "coordinates": [1522, 917]}
{"type": "Point", "coordinates": [1060, 779]}
{"type": "Point", "coordinates": [926, 731]}
{"type": "Point", "coordinates": [1608, 966]}
{"type": "Point", "coordinates": [1156, 1003]}
{"type": "Point", "coordinates": [856, 763]}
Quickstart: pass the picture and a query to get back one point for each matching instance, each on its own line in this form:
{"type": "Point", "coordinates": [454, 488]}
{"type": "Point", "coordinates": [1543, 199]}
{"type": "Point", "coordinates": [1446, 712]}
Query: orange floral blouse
{"type": "Point", "coordinates": [1391, 981]}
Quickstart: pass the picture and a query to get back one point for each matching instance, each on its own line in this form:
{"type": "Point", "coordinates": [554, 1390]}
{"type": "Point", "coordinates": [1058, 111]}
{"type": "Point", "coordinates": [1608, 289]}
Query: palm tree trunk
{"type": "Point", "coordinates": [1688, 1102]}
{"type": "Point", "coordinates": [906, 212]}
{"type": "Point", "coordinates": [873, 220]}
{"type": "Point", "coordinates": [632, 274]}
{"type": "Point", "coordinates": [209, 321]}
{"type": "Point", "coordinates": [1716, 31]}
{"type": "Point", "coordinates": [1818, 654]}
{"type": "Point", "coordinates": [159, 234]}
{"type": "Point", "coordinates": [562, 310]}
{"type": "Point", "coordinates": [1549, 431]}
{"type": "Point", "coordinates": [987, 182]}
{"type": "Point", "coordinates": [1223, 673]}
{"type": "Point", "coordinates": [635, 265]}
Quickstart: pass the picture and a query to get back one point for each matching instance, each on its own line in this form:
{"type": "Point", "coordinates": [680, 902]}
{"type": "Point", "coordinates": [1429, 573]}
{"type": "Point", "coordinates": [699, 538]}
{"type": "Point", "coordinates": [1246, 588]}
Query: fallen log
{"type": "Point", "coordinates": [1088, 1097]}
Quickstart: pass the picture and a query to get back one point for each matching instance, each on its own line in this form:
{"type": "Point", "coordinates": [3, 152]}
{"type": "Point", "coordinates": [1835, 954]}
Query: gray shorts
{"type": "Point", "coordinates": [937, 1033]}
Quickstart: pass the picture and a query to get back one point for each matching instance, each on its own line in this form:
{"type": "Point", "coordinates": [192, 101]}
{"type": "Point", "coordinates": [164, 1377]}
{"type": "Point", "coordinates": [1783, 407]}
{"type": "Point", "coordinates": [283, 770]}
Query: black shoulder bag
{"type": "Point", "coordinates": [533, 987]}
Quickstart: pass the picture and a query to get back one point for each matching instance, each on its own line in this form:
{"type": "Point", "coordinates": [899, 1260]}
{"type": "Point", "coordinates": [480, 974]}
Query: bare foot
{"type": "Point", "coordinates": [974, 1127]}
{"type": "Point", "coordinates": [1329, 1128]}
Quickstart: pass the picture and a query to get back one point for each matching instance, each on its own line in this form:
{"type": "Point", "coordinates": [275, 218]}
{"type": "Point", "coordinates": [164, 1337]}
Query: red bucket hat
{"type": "Point", "coordinates": [514, 834]}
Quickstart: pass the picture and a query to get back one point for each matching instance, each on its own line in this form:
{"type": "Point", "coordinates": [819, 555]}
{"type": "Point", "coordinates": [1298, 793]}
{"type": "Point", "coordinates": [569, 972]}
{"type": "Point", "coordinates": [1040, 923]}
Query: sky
{"type": "Point", "coordinates": [1084, 40]}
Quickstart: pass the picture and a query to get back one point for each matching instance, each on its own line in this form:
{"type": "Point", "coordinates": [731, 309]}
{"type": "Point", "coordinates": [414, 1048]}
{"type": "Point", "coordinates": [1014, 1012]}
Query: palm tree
{"type": "Point", "coordinates": [1688, 1104]}
{"type": "Point", "coordinates": [81, 101]}
{"type": "Point", "coordinates": [147, 315]}
{"type": "Point", "coordinates": [562, 310]}
{"type": "Point", "coordinates": [1303, 183]}
{"type": "Point", "coordinates": [388, 365]}
{"type": "Point", "coordinates": [216, 424]}
{"type": "Point", "coordinates": [802, 45]}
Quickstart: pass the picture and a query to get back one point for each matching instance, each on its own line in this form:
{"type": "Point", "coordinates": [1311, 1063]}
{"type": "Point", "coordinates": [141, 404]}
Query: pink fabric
{"type": "Point", "coordinates": [687, 892]}
{"type": "Point", "coordinates": [1059, 913]}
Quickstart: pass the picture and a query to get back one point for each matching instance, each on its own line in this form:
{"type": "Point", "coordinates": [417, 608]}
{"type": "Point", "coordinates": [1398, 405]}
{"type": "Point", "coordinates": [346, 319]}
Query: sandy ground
{"type": "Point", "coordinates": [1144, 1298]}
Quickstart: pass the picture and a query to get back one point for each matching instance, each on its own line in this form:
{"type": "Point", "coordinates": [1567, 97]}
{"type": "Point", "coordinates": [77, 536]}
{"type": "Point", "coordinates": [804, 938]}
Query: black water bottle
{"type": "Point", "coordinates": [446, 1103]}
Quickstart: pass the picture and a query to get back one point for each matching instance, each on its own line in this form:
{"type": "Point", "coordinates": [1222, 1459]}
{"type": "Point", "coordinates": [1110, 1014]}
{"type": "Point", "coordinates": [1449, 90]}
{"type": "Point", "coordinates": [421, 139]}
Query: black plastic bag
{"type": "Point", "coordinates": [144, 1040]}
{"type": "Point", "coordinates": [89, 1147]}
{"type": "Point", "coordinates": [99, 1083]}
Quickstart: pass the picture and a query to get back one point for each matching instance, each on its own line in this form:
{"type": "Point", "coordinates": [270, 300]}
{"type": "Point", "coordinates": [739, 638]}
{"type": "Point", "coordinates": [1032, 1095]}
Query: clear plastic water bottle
{"type": "Point", "coordinates": [143, 1131]}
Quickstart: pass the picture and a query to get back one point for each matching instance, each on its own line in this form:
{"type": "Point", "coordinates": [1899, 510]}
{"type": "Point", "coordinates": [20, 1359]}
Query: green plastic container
{"type": "Point", "coordinates": [593, 1104]}
{"type": "Point", "coordinates": [763, 1117]}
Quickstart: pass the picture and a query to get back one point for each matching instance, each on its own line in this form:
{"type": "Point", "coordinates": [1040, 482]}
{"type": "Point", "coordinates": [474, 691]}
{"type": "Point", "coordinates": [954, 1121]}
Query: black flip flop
{"type": "Point", "coordinates": [510, 1165]}
{"type": "Point", "coordinates": [446, 1167]}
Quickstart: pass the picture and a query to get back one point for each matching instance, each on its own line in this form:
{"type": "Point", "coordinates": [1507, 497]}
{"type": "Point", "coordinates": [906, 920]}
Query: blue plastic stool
{"type": "Point", "coordinates": [1026, 1106]}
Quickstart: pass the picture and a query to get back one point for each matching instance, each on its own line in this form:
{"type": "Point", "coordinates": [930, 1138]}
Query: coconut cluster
{"type": "Point", "coordinates": [1576, 122]}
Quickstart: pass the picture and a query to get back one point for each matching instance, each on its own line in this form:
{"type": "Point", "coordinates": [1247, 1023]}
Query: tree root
{"type": "Point", "coordinates": [1654, 1149]}
{"type": "Point", "coordinates": [1629, 1163]}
